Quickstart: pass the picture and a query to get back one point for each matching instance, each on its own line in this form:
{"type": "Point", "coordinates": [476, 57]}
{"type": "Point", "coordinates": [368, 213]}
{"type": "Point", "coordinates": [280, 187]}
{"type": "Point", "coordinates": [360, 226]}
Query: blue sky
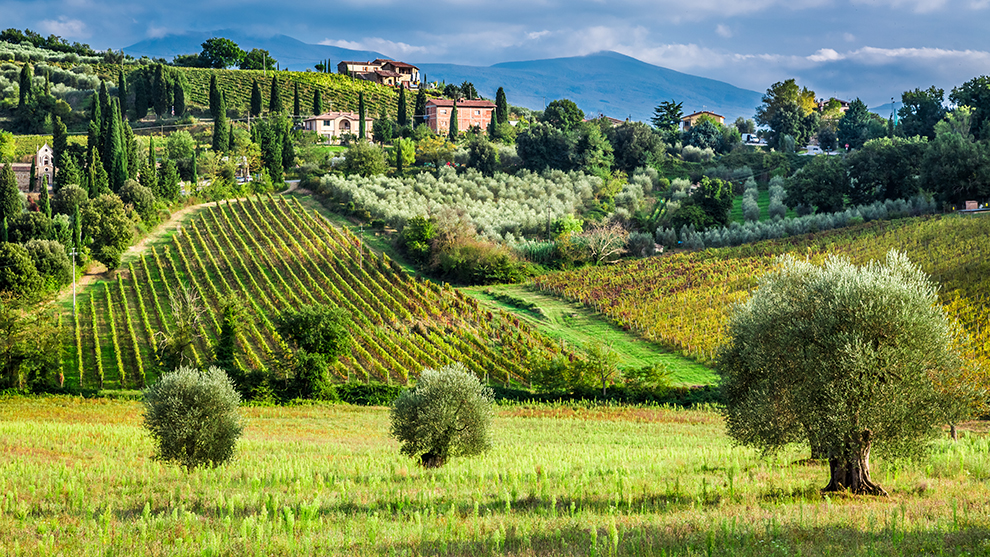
{"type": "Point", "coordinates": [872, 49]}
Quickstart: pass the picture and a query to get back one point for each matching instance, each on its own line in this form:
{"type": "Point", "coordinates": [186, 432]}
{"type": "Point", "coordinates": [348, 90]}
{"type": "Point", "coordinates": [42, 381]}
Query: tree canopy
{"type": "Point", "coordinates": [219, 52]}
{"type": "Point", "coordinates": [562, 114]}
{"type": "Point", "coordinates": [258, 59]}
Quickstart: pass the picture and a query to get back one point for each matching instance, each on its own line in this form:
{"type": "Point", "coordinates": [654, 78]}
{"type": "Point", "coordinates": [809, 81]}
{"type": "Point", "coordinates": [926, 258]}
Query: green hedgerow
{"type": "Point", "coordinates": [193, 416]}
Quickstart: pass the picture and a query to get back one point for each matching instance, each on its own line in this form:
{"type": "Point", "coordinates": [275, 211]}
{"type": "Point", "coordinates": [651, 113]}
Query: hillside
{"type": "Point", "coordinates": [607, 82]}
{"type": "Point", "coordinates": [682, 300]}
{"type": "Point", "coordinates": [277, 255]}
{"type": "Point", "coordinates": [292, 54]}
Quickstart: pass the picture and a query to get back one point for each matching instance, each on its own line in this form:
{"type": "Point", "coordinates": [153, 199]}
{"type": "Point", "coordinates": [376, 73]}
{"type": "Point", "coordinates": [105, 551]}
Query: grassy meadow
{"type": "Point", "coordinates": [77, 478]}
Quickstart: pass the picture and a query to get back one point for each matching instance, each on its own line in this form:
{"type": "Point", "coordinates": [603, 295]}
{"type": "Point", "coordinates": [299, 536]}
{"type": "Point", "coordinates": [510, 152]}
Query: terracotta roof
{"type": "Point", "coordinates": [462, 103]}
{"type": "Point", "coordinates": [387, 73]}
{"type": "Point", "coordinates": [401, 64]}
{"type": "Point", "coordinates": [702, 112]}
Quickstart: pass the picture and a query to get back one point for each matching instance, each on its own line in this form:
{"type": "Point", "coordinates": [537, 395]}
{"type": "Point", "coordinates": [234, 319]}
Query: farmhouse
{"type": "Point", "coordinates": [44, 161]}
{"type": "Point", "coordinates": [692, 119]}
{"type": "Point", "coordinates": [334, 125]}
{"type": "Point", "coordinates": [469, 113]}
{"type": "Point", "coordinates": [383, 71]}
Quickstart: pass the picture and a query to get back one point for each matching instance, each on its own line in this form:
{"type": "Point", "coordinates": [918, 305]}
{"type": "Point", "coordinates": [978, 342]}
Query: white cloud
{"type": "Point", "coordinates": [917, 6]}
{"type": "Point", "coordinates": [64, 27]}
{"type": "Point", "coordinates": [156, 32]}
{"type": "Point", "coordinates": [723, 31]}
{"type": "Point", "coordinates": [537, 34]}
{"type": "Point", "coordinates": [826, 55]}
{"type": "Point", "coordinates": [385, 46]}
{"type": "Point", "coordinates": [849, 37]}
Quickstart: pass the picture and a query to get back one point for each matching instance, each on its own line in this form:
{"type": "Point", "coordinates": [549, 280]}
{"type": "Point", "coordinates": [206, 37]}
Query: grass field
{"type": "Point", "coordinates": [579, 326]}
{"type": "Point", "coordinates": [77, 478]}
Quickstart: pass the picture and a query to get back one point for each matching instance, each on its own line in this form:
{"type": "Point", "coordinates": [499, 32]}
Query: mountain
{"type": "Point", "coordinates": [292, 54]}
{"type": "Point", "coordinates": [604, 82]}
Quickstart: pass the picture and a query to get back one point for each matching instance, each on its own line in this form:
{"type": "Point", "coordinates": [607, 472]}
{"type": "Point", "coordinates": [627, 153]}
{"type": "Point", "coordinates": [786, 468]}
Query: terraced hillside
{"type": "Point", "coordinates": [682, 301]}
{"type": "Point", "coordinates": [278, 256]}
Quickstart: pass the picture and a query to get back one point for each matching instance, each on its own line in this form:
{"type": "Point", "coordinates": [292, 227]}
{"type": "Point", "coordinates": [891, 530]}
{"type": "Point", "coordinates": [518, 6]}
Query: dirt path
{"type": "Point", "coordinates": [97, 270]}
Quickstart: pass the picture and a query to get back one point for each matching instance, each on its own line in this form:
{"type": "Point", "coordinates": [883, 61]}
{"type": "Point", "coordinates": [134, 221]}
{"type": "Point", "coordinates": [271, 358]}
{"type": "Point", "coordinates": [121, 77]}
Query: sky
{"type": "Point", "coordinates": [871, 49]}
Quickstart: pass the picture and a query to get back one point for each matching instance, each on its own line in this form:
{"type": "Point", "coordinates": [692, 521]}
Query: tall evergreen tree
{"type": "Point", "coordinates": [60, 143]}
{"type": "Point", "coordinates": [214, 96]}
{"type": "Point", "coordinates": [44, 202]}
{"type": "Point", "coordinates": [397, 149]}
{"type": "Point", "coordinates": [76, 229]}
{"type": "Point", "coordinates": [68, 174]}
{"type": "Point", "coordinates": [10, 196]}
{"type": "Point", "coordinates": [501, 106]}
{"type": "Point", "coordinates": [296, 108]}
{"type": "Point", "coordinates": [92, 140]}
{"type": "Point", "coordinates": [48, 84]}
{"type": "Point", "coordinates": [221, 139]}
{"type": "Point", "coordinates": [24, 86]}
{"type": "Point", "coordinates": [115, 152]}
{"type": "Point", "coordinates": [419, 115]}
{"type": "Point", "coordinates": [161, 92]}
{"type": "Point", "coordinates": [141, 96]}
{"type": "Point", "coordinates": [178, 99]}
{"type": "Point", "coordinates": [95, 115]}
{"type": "Point", "coordinates": [34, 174]}
{"type": "Point", "coordinates": [122, 92]}
{"type": "Point", "coordinates": [104, 101]}
{"type": "Point", "coordinates": [275, 97]}
{"type": "Point", "coordinates": [453, 124]}
{"type": "Point", "coordinates": [130, 144]}
{"type": "Point", "coordinates": [288, 151]}
{"type": "Point", "coordinates": [361, 115]}
{"type": "Point", "coordinates": [317, 102]}
{"type": "Point", "coordinates": [493, 125]}
{"type": "Point", "coordinates": [97, 181]}
{"type": "Point", "coordinates": [403, 118]}
{"type": "Point", "coordinates": [256, 98]}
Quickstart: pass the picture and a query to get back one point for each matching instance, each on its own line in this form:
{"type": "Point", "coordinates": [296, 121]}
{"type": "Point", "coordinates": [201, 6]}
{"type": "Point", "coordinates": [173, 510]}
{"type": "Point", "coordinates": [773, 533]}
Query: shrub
{"type": "Point", "coordinates": [193, 416]}
{"type": "Point", "coordinates": [448, 413]}
{"type": "Point", "coordinates": [641, 244]}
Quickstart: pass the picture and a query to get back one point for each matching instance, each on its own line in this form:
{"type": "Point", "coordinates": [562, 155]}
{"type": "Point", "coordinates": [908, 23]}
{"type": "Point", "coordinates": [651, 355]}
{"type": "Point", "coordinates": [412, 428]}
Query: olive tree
{"type": "Point", "coordinates": [845, 358]}
{"type": "Point", "coordinates": [193, 416]}
{"type": "Point", "coordinates": [447, 414]}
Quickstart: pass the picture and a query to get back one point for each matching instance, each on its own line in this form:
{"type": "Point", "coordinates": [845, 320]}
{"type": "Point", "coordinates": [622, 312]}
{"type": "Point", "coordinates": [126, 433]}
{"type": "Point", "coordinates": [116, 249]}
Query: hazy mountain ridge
{"type": "Point", "coordinates": [604, 82]}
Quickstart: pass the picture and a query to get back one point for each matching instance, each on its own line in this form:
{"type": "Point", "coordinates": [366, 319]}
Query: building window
{"type": "Point", "coordinates": [328, 123]}
{"type": "Point", "coordinates": [477, 113]}
{"type": "Point", "coordinates": [443, 111]}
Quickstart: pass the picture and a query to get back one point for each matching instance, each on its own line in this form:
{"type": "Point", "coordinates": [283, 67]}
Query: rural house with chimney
{"type": "Point", "coordinates": [469, 113]}
{"type": "Point", "coordinates": [383, 71]}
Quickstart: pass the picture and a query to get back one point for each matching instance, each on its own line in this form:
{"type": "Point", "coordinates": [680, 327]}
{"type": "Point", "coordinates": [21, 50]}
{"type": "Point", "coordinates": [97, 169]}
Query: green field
{"type": "Point", "coordinates": [77, 478]}
{"type": "Point", "coordinates": [579, 326]}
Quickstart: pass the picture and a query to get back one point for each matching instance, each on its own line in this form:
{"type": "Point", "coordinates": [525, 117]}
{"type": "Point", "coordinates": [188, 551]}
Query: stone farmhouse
{"type": "Point", "coordinates": [692, 119]}
{"type": "Point", "coordinates": [44, 161]}
{"type": "Point", "coordinates": [383, 71]}
{"type": "Point", "coordinates": [334, 125]}
{"type": "Point", "coordinates": [469, 113]}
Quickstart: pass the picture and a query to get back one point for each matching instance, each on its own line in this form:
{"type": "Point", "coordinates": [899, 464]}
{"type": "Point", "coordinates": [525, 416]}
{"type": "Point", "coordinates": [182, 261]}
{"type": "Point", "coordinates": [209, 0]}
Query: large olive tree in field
{"type": "Point", "coordinates": [845, 358]}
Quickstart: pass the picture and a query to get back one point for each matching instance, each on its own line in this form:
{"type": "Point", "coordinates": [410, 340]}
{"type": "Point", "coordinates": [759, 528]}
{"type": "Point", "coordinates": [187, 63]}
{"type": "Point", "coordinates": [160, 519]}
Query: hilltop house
{"type": "Point", "coordinates": [469, 113]}
{"type": "Point", "coordinates": [692, 119]}
{"type": "Point", "coordinates": [333, 125]}
{"type": "Point", "coordinates": [383, 71]}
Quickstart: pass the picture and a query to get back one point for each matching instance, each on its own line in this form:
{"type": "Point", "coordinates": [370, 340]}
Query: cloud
{"type": "Point", "coordinates": [723, 31]}
{"type": "Point", "coordinates": [849, 37]}
{"type": "Point", "coordinates": [64, 27]}
{"type": "Point", "coordinates": [156, 32]}
{"type": "Point", "coordinates": [825, 55]}
{"type": "Point", "coordinates": [916, 6]}
{"type": "Point", "coordinates": [385, 46]}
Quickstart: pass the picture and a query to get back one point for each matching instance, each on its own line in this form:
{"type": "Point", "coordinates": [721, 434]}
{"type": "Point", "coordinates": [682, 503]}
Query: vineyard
{"type": "Point", "coordinates": [277, 255]}
{"type": "Point", "coordinates": [682, 301]}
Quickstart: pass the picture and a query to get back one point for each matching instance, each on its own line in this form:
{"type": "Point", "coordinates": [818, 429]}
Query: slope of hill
{"type": "Point", "coordinates": [607, 82]}
{"type": "Point", "coordinates": [277, 255]}
{"type": "Point", "coordinates": [291, 53]}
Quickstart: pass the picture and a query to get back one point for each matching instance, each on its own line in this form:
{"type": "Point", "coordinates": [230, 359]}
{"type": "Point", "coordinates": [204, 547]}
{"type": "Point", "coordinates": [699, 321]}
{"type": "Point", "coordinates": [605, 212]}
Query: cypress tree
{"type": "Point", "coordinates": [95, 115]}
{"type": "Point", "coordinates": [92, 140]}
{"type": "Point", "coordinates": [151, 151]}
{"type": "Point", "coordinates": [104, 126]}
{"type": "Point", "coordinates": [130, 143]}
{"type": "Point", "coordinates": [195, 176]}
{"type": "Point", "coordinates": [256, 98]}
{"type": "Point", "coordinates": [397, 147]}
{"type": "Point", "coordinates": [275, 97]}
{"type": "Point", "coordinates": [501, 106]}
{"type": "Point", "coordinates": [141, 99]}
{"type": "Point", "coordinates": [10, 196]}
{"type": "Point", "coordinates": [161, 92]}
{"type": "Point", "coordinates": [179, 99]}
{"type": "Point", "coordinates": [96, 176]}
{"type": "Point", "coordinates": [34, 173]}
{"type": "Point", "coordinates": [230, 138]}
{"type": "Point", "coordinates": [44, 202]}
{"type": "Point", "coordinates": [60, 143]}
{"type": "Point", "coordinates": [115, 152]}
{"type": "Point", "coordinates": [76, 229]}
{"type": "Point", "coordinates": [48, 84]}
{"type": "Point", "coordinates": [288, 151]}
{"type": "Point", "coordinates": [492, 124]}
{"type": "Point", "coordinates": [296, 109]}
{"type": "Point", "coordinates": [5, 238]}
{"type": "Point", "coordinates": [402, 116]}
{"type": "Point", "coordinates": [214, 96]}
{"type": "Point", "coordinates": [453, 124]}
{"type": "Point", "coordinates": [104, 101]}
{"type": "Point", "coordinates": [361, 112]}
{"type": "Point", "coordinates": [122, 93]}
{"type": "Point", "coordinates": [221, 141]}
{"type": "Point", "coordinates": [68, 174]}
{"type": "Point", "coordinates": [318, 102]}
{"type": "Point", "coordinates": [419, 116]}
{"type": "Point", "coordinates": [24, 87]}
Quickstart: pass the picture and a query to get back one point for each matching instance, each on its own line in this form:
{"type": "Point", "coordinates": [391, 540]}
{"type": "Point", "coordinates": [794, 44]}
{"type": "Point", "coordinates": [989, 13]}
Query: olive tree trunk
{"type": "Point", "coordinates": [849, 466]}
